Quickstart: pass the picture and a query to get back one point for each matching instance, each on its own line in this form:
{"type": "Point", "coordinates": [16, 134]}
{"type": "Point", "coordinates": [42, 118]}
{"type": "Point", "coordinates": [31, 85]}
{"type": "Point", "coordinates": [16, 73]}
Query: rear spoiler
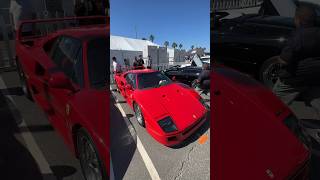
{"type": "Point", "coordinates": [102, 20]}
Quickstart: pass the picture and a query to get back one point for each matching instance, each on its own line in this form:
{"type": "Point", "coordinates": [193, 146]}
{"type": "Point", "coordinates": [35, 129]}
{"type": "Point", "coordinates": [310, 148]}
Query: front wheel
{"type": "Point", "coordinates": [91, 164]}
{"type": "Point", "coordinates": [139, 115]}
{"type": "Point", "coordinates": [24, 85]}
{"type": "Point", "coordinates": [269, 72]}
{"type": "Point", "coordinates": [195, 84]}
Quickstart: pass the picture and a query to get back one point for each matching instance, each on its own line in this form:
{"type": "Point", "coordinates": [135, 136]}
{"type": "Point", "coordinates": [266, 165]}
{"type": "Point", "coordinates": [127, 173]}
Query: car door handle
{"type": "Point", "coordinates": [216, 92]}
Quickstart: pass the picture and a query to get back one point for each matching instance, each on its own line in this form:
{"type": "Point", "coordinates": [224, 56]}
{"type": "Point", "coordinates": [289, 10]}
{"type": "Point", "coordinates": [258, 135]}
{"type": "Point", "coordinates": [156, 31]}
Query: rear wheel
{"type": "Point", "coordinates": [195, 84]}
{"type": "Point", "coordinates": [269, 71]}
{"type": "Point", "coordinates": [23, 81]}
{"type": "Point", "coordinates": [139, 115]}
{"type": "Point", "coordinates": [91, 164]}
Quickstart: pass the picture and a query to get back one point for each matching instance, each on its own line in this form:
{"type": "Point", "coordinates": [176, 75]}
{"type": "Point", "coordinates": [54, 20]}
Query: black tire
{"type": "Point", "coordinates": [23, 81]}
{"type": "Point", "coordinates": [269, 70]}
{"type": "Point", "coordinates": [194, 84]}
{"type": "Point", "coordinates": [139, 115]}
{"type": "Point", "coordinates": [92, 166]}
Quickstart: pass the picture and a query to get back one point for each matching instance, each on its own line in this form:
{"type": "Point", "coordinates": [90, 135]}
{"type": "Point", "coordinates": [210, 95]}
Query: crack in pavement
{"type": "Point", "coordinates": [184, 162]}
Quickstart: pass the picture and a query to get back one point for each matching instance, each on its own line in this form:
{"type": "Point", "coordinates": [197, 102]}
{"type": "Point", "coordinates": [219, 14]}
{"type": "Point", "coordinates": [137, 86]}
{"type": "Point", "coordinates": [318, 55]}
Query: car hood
{"type": "Point", "coordinates": [252, 90]}
{"type": "Point", "coordinates": [274, 20]}
{"type": "Point", "coordinates": [254, 134]}
{"type": "Point", "coordinates": [171, 100]}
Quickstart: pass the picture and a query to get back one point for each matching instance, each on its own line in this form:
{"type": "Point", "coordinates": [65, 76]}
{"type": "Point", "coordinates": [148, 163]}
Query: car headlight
{"type": "Point", "coordinates": [167, 125]}
{"type": "Point", "coordinates": [295, 127]}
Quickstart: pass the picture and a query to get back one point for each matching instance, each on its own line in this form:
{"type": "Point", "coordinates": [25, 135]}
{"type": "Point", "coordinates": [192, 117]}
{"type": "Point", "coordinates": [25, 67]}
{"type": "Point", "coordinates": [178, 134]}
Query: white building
{"type": "Point", "coordinates": [129, 48]}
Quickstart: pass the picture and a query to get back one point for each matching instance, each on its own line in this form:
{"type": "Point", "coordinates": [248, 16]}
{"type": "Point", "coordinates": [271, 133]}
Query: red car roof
{"type": "Point", "coordinates": [80, 32]}
{"type": "Point", "coordinates": [139, 71]}
{"type": "Point", "coordinates": [85, 32]}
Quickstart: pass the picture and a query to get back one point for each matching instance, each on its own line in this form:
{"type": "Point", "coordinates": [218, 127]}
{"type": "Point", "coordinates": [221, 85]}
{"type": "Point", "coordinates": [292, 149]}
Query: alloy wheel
{"type": "Point", "coordinates": [89, 160]}
{"type": "Point", "coordinates": [271, 74]}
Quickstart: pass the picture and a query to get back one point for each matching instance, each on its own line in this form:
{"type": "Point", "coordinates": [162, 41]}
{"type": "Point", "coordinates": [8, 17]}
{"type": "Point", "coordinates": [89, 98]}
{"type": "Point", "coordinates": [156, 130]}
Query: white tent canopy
{"type": "Point", "coordinates": [129, 48]}
{"type": "Point", "coordinates": [130, 44]}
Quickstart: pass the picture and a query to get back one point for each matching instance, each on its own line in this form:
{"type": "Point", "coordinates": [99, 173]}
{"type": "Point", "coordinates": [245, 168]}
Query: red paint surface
{"type": "Point", "coordinates": [174, 100]}
{"type": "Point", "coordinates": [89, 108]}
{"type": "Point", "coordinates": [248, 138]}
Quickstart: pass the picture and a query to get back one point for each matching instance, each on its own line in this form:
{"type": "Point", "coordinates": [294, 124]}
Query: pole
{"type": "Point", "coordinates": [135, 28]}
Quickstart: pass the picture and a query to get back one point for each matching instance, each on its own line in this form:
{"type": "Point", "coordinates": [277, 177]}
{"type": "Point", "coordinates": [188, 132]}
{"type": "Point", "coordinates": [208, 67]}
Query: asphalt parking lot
{"type": "Point", "coordinates": [30, 147]}
{"type": "Point", "coordinates": [310, 120]}
{"type": "Point", "coordinates": [136, 155]}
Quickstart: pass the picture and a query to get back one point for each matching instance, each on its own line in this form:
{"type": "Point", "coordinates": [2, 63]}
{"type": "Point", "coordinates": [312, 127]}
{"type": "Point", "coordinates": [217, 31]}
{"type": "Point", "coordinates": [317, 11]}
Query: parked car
{"type": "Point", "coordinates": [249, 43]}
{"type": "Point", "coordinates": [255, 135]}
{"type": "Point", "coordinates": [64, 72]}
{"type": "Point", "coordinates": [184, 75]}
{"type": "Point", "coordinates": [169, 111]}
{"type": "Point", "coordinates": [188, 73]}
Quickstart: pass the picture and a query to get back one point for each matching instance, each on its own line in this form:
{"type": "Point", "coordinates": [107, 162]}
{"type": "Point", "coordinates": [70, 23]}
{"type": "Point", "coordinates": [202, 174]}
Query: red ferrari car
{"type": "Point", "coordinates": [170, 111]}
{"type": "Point", "coordinates": [255, 135]}
{"type": "Point", "coordinates": [65, 74]}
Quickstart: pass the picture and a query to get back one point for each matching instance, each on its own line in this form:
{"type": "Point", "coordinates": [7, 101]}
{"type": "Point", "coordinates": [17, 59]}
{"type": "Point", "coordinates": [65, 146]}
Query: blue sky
{"type": "Point", "coordinates": [181, 21]}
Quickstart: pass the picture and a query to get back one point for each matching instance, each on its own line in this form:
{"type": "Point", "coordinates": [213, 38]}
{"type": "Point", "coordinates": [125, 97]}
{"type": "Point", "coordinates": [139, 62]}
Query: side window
{"type": "Point", "coordinates": [50, 45]}
{"type": "Point", "coordinates": [134, 81]}
{"type": "Point", "coordinates": [67, 55]}
{"type": "Point", "coordinates": [131, 79]}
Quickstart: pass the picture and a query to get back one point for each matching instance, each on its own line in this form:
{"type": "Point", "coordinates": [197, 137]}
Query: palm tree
{"type": "Point", "coordinates": [174, 45]}
{"type": "Point", "coordinates": [151, 38]}
{"type": "Point", "coordinates": [180, 45]}
{"type": "Point", "coordinates": [192, 47]}
{"type": "Point", "coordinates": [166, 43]}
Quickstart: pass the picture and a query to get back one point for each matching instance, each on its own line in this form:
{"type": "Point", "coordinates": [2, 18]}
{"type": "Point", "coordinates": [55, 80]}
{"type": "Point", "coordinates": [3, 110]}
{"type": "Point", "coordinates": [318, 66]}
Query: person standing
{"type": "Point", "coordinates": [116, 65]}
{"type": "Point", "coordinates": [136, 63]}
{"type": "Point", "coordinates": [150, 61]}
{"type": "Point", "coordinates": [303, 44]}
{"type": "Point", "coordinates": [21, 10]}
{"type": "Point", "coordinates": [127, 64]}
{"type": "Point", "coordinates": [204, 77]}
{"type": "Point", "coordinates": [116, 68]}
{"type": "Point", "coordinates": [141, 61]}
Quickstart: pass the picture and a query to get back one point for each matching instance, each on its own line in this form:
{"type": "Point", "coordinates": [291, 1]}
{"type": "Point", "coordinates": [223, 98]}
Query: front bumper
{"type": "Point", "coordinates": [179, 137]}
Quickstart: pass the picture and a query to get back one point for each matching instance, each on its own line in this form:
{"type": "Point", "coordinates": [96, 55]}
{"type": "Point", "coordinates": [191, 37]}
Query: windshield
{"type": "Point", "coordinates": [152, 80]}
{"type": "Point", "coordinates": [98, 50]}
{"type": "Point", "coordinates": [205, 59]}
{"type": "Point", "coordinates": [196, 61]}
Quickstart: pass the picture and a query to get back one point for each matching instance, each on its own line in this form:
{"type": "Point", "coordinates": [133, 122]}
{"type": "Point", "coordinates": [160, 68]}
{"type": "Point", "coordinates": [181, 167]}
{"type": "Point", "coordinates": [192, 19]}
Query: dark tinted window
{"type": "Point", "coordinates": [131, 79]}
{"type": "Point", "coordinates": [98, 54]}
{"type": "Point", "coordinates": [152, 80]}
{"type": "Point", "coordinates": [67, 55]}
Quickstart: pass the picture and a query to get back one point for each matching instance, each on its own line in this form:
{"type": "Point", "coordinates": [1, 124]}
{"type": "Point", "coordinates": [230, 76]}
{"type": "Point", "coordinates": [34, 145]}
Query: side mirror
{"type": "Point", "coordinates": [129, 87]}
{"type": "Point", "coordinates": [60, 81]}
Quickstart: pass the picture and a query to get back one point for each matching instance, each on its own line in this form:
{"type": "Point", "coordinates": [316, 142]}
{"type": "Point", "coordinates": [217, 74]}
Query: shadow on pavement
{"type": "Point", "coordinates": [16, 162]}
{"type": "Point", "coordinates": [17, 91]}
{"type": "Point", "coordinates": [61, 172]}
{"type": "Point", "coordinates": [195, 136]}
{"type": "Point", "coordinates": [311, 98]}
{"type": "Point", "coordinates": [36, 128]}
{"type": "Point", "coordinates": [122, 140]}
{"type": "Point", "coordinates": [315, 150]}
